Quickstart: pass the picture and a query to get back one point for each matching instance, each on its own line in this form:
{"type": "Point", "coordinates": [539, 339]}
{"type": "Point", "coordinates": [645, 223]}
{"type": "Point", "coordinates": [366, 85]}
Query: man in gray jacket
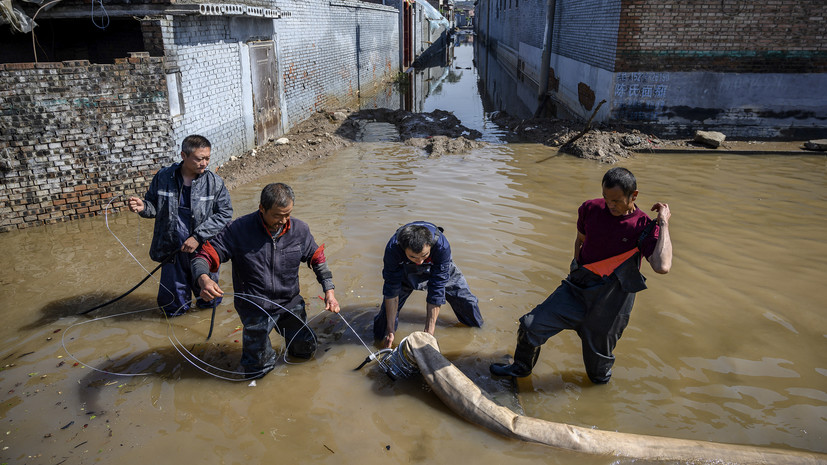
{"type": "Point", "coordinates": [190, 205]}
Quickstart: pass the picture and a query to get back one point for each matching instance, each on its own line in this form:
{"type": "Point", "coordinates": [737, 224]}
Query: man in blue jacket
{"type": "Point", "coordinates": [418, 257]}
{"type": "Point", "coordinates": [267, 248]}
{"type": "Point", "coordinates": [190, 205]}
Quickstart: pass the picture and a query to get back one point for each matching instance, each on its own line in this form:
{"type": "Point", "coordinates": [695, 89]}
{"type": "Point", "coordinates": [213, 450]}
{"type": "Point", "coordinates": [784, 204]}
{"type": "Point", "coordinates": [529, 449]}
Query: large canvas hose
{"type": "Point", "coordinates": [466, 399]}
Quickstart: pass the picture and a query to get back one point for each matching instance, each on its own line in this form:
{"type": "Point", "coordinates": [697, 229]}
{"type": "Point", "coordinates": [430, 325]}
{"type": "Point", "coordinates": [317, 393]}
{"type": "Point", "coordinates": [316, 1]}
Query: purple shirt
{"type": "Point", "coordinates": [608, 235]}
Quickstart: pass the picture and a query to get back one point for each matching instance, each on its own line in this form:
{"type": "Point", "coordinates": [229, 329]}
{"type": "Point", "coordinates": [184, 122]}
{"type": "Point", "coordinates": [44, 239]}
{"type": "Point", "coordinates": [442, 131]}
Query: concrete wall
{"type": "Point", "coordinates": [741, 105]}
{"type": "Point", "coordinates": [748, 69]}
{"type": "Point", "coordinates": [73, 134]}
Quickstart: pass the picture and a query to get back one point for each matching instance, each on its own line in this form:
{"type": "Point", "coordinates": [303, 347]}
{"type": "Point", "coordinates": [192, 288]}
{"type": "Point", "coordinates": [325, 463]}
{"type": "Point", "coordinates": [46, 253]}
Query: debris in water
{"type": "Point", "coordinates": [68, 424]}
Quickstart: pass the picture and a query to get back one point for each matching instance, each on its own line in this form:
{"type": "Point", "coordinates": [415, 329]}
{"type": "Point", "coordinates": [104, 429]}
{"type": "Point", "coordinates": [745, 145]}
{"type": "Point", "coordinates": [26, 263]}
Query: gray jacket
{"type": "Point", "coordinates": [210, 202]}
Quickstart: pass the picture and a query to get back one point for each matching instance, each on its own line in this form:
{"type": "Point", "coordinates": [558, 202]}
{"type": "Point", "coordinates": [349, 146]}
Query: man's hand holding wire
{"type": "Point", "coordinates": [209, 288]}
{"type": "Point", "coordinates": [330, 302]}
{"type": "Point", "coordinates": [135, 204]}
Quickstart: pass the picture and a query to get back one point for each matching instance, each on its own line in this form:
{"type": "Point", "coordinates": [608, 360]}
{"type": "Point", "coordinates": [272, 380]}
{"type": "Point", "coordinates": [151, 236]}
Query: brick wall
{"type": "Point", "coordinates": [586, 31]}
{"type": "Point", "coordinates": [511, 22]}
{"type": "Point", "coordinates": [153, 37]}
{"type": "Point", "coordinates": [778, 36]}
{"type": "Point", "coordinates": [209, 60]}
{"type": "Point", "coordinates": [74, 134]}
{"type": "Point", "coordinates": [326, 52]}
{"type": "Point", "coordinates": [324, 65]}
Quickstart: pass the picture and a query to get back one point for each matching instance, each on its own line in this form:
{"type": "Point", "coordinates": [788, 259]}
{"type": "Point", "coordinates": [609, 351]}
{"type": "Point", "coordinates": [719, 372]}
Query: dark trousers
{"type": "Point", "coordinates": [176, 289]}
{"type": "Point", "coordinates": [258, 356]}
{"type": "Point", "coordinates": [457, 294]}
{"type": "Point", "coordinates": [597, 308]}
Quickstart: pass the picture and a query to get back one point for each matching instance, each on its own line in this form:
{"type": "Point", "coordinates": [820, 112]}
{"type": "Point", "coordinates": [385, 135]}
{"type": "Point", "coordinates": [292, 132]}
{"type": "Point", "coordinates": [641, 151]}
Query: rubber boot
{"type": "Point", "coordinates": [525, 357]}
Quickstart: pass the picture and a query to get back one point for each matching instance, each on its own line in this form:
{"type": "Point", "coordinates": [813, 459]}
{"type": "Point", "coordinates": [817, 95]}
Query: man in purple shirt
{"type": "Point", "coordinates": [597, 296]}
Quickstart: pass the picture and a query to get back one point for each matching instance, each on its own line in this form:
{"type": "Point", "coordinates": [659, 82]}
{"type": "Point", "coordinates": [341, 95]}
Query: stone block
{"type": "Point", "coordinates": [710, 138]}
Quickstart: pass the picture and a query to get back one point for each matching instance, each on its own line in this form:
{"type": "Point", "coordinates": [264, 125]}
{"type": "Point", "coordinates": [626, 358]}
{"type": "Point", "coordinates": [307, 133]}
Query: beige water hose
{"type": "Point", "coordinates": [466, 399]}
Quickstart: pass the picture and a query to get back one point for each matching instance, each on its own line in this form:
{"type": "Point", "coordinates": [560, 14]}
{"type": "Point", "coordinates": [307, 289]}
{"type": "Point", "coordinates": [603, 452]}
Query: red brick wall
{"type": "Point", "coordinates": [778, 36]}
{"type": "Point", "coordinates": [74, 134]}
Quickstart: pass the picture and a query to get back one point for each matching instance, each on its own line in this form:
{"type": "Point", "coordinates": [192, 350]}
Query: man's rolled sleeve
{"type": "Point", "coordinates": [324, 276]}
{"type": "Point", "coordinates": [392, 273]}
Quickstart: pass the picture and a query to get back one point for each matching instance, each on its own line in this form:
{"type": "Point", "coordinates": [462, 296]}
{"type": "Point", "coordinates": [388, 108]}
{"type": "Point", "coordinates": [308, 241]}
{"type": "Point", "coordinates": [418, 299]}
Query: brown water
{"type": "Point", "coordinates": [728, 347]}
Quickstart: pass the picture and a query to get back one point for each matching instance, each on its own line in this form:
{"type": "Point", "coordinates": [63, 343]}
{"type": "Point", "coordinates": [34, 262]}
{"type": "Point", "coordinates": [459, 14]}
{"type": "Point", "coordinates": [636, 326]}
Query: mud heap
{"type": "Point", "coordinates": [436, 133]}
{"type": "Point", "coordinates": [605, 144]}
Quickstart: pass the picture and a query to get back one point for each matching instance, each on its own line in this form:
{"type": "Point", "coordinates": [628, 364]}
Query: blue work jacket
{"type": "Point", "coordinates": [209, 201]}
{"type": "Point", "coordinates": [264, 265]}
{"type": "Point", "coordinates": [436, 269]}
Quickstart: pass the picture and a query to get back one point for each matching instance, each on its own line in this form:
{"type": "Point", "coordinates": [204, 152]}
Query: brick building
{"type": "Point", "coordinates": [103, 99]}
{"type": "Point", "coordinates": [748, 69]}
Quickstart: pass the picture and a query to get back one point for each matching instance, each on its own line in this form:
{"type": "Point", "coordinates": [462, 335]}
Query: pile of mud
{"type": "Point", "coordinates": [437, 133]}
{"type": "Point", "coordinates": [607, 145]}
{"type": "Point", "coordinates": [441, 133]}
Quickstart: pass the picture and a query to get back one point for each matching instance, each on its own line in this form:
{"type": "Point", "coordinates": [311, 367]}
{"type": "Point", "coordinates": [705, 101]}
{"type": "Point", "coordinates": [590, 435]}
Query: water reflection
{"type": "Point", "coordinates": [500, 88]}
{"type": "Point", "coordinates": [449, 81]}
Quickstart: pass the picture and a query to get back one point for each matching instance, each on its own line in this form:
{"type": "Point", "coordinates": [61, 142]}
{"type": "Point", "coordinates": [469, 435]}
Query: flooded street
{"type": "Point", "coordinates": [727, 347]}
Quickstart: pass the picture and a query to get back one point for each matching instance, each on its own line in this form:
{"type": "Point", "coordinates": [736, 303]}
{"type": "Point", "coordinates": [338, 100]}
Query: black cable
{"type": "Point", "coordinates": [212, 319]}
{"type": "Point", "coordinates": [164, 261]}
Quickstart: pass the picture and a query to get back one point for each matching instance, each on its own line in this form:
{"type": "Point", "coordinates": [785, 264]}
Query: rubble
{"type": "Point", "coordinates": [820, 144]}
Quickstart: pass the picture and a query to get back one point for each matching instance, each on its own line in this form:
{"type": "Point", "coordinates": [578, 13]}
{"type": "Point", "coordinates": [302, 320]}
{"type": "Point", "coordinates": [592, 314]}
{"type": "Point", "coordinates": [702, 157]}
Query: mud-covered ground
{"type": "Point", "coordinates": [440, 133]}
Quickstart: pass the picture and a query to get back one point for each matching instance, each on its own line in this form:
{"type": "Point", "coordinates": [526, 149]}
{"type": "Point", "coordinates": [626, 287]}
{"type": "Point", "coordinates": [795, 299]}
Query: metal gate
{"type": "Point", "coordinates": [266, 108]}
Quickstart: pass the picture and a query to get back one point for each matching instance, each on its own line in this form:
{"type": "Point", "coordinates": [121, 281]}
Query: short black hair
{"type": "Point", "coordinates": [193, 142]}
{"type": "Point", "coordinates": [278, 194]}
{"type": "Point", "coordinates": [620, 177]}
{"type": "Point", "coordinates": [415, 237]}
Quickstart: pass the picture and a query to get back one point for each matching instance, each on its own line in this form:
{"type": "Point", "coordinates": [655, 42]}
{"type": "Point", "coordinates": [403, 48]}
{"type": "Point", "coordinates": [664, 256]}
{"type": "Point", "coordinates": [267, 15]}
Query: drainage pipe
{"type": "Point", "coordinates": [466, 399]}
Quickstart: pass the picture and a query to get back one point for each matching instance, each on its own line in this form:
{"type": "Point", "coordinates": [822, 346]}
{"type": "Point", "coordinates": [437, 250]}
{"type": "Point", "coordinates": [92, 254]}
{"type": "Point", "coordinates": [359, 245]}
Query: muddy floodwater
{"type": "Point", "coordinates": [728, 347]}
